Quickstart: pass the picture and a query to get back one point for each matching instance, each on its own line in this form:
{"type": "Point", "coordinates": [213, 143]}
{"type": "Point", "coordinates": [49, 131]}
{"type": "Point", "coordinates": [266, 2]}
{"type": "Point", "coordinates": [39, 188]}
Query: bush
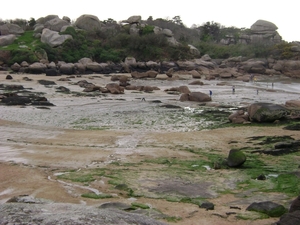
{"type": "Point", "coordinates": [18, 56]}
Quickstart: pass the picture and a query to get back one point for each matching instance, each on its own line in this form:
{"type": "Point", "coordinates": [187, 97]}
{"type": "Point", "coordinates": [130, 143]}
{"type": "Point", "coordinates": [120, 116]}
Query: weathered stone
{"type": "Point", "coordinates": [7, 39]}
{"type": "Point", "coordinates": [137, 75]}
{"type": "Point", "coordinates": [151, 74]}
{"type": "Point", "coordinates": [270, 208]}
{"type": "Point", "coordinates": [56, 24]}
{"type": "Point", "coordinates": [207, 206]}
{"type": "Point", "coordinates": [195, 74]}
{"type": "Point", "coordinates": [236, 158]}
{"type": "Point", "coordinates": [51, 72]}
{"type": "Point", "coordinates": [239, 117]}
{"type": "Point", "coordinates": [114, 88]}
{"type": "Point", "coordinates": [292, 218]}
{"type": "Point", "coordinates": [266, 112]}
{"type": "Point", "coordinates": [194, 51]}
{"type": "Point", "coordinates": [37, 68]}
{"type": "Point", "coordinates": [199, 97]}
{"type": "Point", "coordinates": [262, 26]}
{"type": "Point", "coordinates": [43, 20]}
{"type": "Point", "coordinates": [10, 28]}
{"type": "Point", "coordinates": [15, 67]}
{"type": "Point", "coordinates": [196, 82]}
{"type": "Point", "coordinates": [62, 213]}
{"type": "Point", "coordinates": [88, 23]}
{"type": "Point", "coordinates": [8, 77]}
{"type": "Point", "coordinates": [133, 19]}
{"type": "Point", "coordinates": [67, 68]}
{"type": "Point", "coordinates": [53, 38]}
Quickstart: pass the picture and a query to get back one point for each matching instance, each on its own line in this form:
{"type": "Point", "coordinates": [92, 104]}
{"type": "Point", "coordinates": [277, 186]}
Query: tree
{"type": "Point", "coordinates": [210, 31]}
{"type": "Point", "coordinates": [177, 20]}
{"type": "Point", "coordinates": [109, 21]}
{"type": "Point", "coordinates": [31, 22]}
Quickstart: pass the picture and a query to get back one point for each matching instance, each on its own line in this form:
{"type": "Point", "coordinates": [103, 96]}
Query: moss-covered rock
{"type": "Point", "coordinates": [236, 158]}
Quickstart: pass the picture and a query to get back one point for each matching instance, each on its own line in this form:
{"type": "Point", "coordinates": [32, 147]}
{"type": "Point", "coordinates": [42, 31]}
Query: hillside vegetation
{"type": "Point", "coordinates": [114, 43]}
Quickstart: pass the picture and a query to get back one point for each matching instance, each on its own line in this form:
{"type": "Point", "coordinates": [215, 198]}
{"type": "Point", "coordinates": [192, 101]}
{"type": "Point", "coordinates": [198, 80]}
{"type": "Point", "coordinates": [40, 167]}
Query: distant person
{"type": "Point", "coordinates": [251, 77]}
{"type": "Point", "coordinates": [257, 91]}
{"type": "Point", "coordinates": [233, 89]}
{"type": "Point", "coordinates": [272, 85]}
{"type": "Point", "coordinates": [210, 93]}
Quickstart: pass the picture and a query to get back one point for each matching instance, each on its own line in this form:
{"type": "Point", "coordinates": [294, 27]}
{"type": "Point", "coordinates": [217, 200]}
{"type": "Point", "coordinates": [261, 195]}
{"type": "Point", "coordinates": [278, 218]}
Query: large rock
{"type": "Point", "coordinates": [198, 97]}
{"type": "Point", "coordinates": [288, 67]}
{"type": "Point", "coordinates": [264, 31]}
{"type": "Point", "coordinates": [270, 208]}
{"type": "Point", "coordinates": [10, 28]}
{"type": "Point", "coordinates": [65, 213]}
{"type": "Point", "coordinates": [239, 116]}
{"type": "Point", "coordinates": [115, 88]}
{"type": "Point", "coordinates": [56, 24]}
{"type": "Point", "coordinates": [236, 158]}
{"type": "Point", "coordinates": [254, 66]}
{"type": "Point", "coordinates": [53, 38]}
{"type": "Point", "coordinates": [94, 66]}
{"type": "Point", "coordinates": [290, 218]}
{"type": "Point", "coordinates": [67, 68]}
{"type": "Point", "coordinates": [133, 19]}
{"type": "Point", "coordinates": [295, 205]}
{"type": "Point", "coordinates": [7, 39]}
{"type": "Point", "coordinates": [88, 23]}
{"type": "Point", "coordinates": [292, 104]}
{"type": "Point", "coordinates": [37, 68]}
{"type": "Point", "coordinates": [43, 20]}
{"type": "Point", "coordinates": [262, 26]}
{"type": "Point", "coordinates": [266, 112]}
{"type": "Point", "coordinates": [293, 216]}
{"type": "Point", "coordinates": [194, 51]}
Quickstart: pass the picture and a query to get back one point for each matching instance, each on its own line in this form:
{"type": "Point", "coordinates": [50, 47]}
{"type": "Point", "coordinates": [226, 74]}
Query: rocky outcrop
{"type": "Point", "coordinates": [10, 28]}
{"type": "Point", "coordinates": [88, 23]}
{"type": "Point", "coordinates": [53, 38]}
{"type": "Point", "coordinates": [56, 24]}
{"type": "Point", "coordinates": [270, 208]}
{"type": "Point", "coordinates": [133, 20]}
{"type": "Point", "coordinates": [266, 112]}
{"type": "Point", "coordinates": [288, 67]}
{"type": "Point", "coordinates": [64, 213]}
{"type": "Point", "coordinates": [195, 96]}
{"type": "Point", "coordinates": [261, 31]}
{"type": "Point", "coordinates": [238, 117]}
{"type": "Point", "coordinates": [7, 39]}
{"type": "Point", "coordinates": [264, 31]}
{"type": "Point", "coordinates": [37, 68]}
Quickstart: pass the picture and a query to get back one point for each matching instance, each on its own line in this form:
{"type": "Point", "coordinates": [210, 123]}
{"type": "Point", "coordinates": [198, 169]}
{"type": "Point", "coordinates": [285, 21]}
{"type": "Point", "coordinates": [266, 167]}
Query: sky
{"type": "Point", "coordinates": [229, 13]}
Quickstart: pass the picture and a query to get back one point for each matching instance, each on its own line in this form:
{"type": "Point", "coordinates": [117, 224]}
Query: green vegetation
{"type": "Point", "coordinates": [82, 176]}
{"type": "Point", "coordinates": [95, 196]}
{"type": "Point", "coordinates": [115, 43]}
{"type": "Point", "coordinates": [140, 205]}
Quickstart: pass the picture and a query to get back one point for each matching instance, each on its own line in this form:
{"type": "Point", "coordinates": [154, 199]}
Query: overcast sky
{"type": "Point", "coordinates": [236, 13]}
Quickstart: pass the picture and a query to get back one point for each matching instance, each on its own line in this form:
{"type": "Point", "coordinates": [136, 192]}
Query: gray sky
{"type": "Point", "coordinates": [236, 13]}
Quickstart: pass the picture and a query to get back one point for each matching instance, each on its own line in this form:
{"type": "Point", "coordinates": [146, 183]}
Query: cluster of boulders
{"type": "Point", "coordinates": [236, 67]}
{"type": "Point", "coordinates": [260, 31]}
{"type": "Point", "coordinates": [14, 95]}
{"type": "Point", "coordinates": [266, 112]}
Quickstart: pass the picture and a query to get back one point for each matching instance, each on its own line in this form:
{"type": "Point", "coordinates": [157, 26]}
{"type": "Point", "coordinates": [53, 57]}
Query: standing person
{"type": "Point", "coordinates": [210, 93]}
{"type": "Point", "coordinates": [233, 89]}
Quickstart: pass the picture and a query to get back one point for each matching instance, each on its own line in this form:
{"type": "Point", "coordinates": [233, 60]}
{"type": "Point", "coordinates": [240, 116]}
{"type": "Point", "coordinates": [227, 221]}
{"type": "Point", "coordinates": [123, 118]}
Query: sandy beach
{"type": "Point", "coordinates": [94, 130]}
